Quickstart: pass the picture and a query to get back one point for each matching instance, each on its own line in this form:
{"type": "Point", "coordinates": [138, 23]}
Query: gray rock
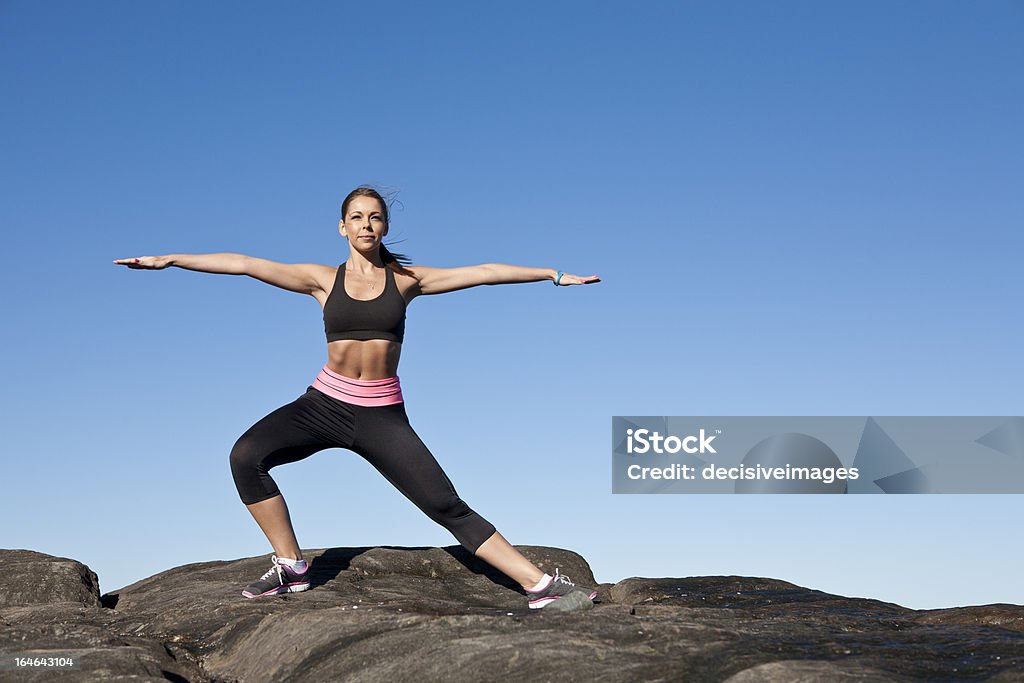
{"type": "Point", "coordinates": [798, 671]}
{"type": "Point", "coordinates": [439, 614]}
{"type": "Point", "coordinates": [37, 578]}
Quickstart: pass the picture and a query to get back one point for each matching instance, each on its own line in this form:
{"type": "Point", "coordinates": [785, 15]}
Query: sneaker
{"type": "Point", "coordinates": [279, 579]}
{"type": "Point", "coordinates": [560, 587]}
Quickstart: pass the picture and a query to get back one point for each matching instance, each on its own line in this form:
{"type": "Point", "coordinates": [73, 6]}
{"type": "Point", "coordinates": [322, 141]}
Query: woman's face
{"type": "Point", "coordinates": [363, 227]}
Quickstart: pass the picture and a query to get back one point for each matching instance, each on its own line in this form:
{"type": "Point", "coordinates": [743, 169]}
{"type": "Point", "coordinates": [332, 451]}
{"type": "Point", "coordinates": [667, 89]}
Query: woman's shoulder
{"type": "Point", "coordinates": [407, 272]}
{"type": "Point", "coordinates": [416, 272]}
{"type": "Point", "coordinates": [326, 272]}
{"type": "Point", "coordinates": [407, 279]}
{"type": "Point", "coordinates": [324, 275]}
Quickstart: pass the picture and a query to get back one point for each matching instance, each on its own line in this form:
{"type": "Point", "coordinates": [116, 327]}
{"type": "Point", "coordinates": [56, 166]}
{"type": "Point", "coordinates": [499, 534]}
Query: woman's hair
{"type": "Point", "coordinates": [367, 191]}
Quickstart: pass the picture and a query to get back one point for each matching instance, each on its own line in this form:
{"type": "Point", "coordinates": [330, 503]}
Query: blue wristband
{"type": "Point", "coordinates": [558, 278]}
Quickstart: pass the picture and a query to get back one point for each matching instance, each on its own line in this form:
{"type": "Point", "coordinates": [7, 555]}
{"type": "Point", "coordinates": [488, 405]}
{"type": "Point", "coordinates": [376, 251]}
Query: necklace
{"type": "Point", "coordinates": [364, 284]}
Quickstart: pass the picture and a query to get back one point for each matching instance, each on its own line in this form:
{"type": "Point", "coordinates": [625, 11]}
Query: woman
{"type": "Point", "coordinates": [356, 400]}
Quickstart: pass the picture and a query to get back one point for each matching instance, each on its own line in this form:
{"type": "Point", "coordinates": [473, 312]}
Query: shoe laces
{"type": "Point", "coordinates": [275, 568]}
{"type": "Point", "coordinates": [562, 578]}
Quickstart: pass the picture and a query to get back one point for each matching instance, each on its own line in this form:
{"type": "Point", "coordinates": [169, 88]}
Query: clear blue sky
{"type": "Point", "coordinates": [796, 209]}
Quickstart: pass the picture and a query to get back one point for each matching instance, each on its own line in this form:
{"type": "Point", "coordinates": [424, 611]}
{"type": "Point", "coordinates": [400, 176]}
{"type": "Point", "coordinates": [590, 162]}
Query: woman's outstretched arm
{"type": "Point", "coordinates": [295, 277]}
{"type": "Point", "coordinates": [226, 263]}
{"type": "Point", "coordinates": [441, 280]}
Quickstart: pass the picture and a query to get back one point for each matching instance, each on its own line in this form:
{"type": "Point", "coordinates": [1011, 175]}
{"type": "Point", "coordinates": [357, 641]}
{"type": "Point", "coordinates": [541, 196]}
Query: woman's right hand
{"type": "Point", "coordinates": [145, 262]}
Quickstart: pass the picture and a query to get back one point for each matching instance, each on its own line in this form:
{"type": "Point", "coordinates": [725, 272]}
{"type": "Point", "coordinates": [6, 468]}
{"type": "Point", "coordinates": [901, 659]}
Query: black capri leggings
{"type": "Point", "coordinates": [381, 434]}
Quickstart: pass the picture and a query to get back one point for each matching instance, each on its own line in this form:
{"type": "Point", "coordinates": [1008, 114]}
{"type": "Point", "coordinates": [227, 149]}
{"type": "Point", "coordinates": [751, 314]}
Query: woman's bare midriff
{"type": "Point", "coordinates": [361, 359]}
{"type": "Point", "coordinates": [369, 359]}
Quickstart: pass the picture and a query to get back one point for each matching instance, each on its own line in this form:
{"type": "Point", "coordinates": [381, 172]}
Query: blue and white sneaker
{"type": "Point", "coordinates": [559, 588]}
{"type": "Point", "coordinates": [279, 579]}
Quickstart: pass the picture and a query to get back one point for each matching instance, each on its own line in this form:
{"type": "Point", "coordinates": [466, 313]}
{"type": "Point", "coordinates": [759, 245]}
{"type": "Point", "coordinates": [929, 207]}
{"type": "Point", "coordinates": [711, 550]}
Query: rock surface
{"type": "Point", "coordinates": [439, 614]}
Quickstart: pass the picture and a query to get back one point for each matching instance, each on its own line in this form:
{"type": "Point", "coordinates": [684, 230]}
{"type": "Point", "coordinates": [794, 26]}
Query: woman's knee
{"type": "Point", "coordinates": [248, 471]}
{"type": "Point", "coordinates": [468, 527]}
{"type": "Point", "coordinates": [245, 455]}
{"type": "Point", "coordinates": [455, 514]}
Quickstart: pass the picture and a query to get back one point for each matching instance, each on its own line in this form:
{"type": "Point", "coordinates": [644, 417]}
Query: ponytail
{"type": "Point", "coordinates": [389, 257]}
{"type": "Point", "coordinates": [399, 260]}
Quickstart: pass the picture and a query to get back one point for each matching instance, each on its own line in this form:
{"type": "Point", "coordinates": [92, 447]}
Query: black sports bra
{"type": "Point", "coordinates": [382, 317]}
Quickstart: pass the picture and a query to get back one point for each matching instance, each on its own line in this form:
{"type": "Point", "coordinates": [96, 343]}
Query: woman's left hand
{"type": "Point", "coordinates": [568, 279]}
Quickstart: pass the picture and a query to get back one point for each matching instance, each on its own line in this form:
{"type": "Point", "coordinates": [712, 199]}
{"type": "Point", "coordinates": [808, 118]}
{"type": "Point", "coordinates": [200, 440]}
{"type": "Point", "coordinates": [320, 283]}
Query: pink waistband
{"type": "Point", "coordinates": [360, 392]}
